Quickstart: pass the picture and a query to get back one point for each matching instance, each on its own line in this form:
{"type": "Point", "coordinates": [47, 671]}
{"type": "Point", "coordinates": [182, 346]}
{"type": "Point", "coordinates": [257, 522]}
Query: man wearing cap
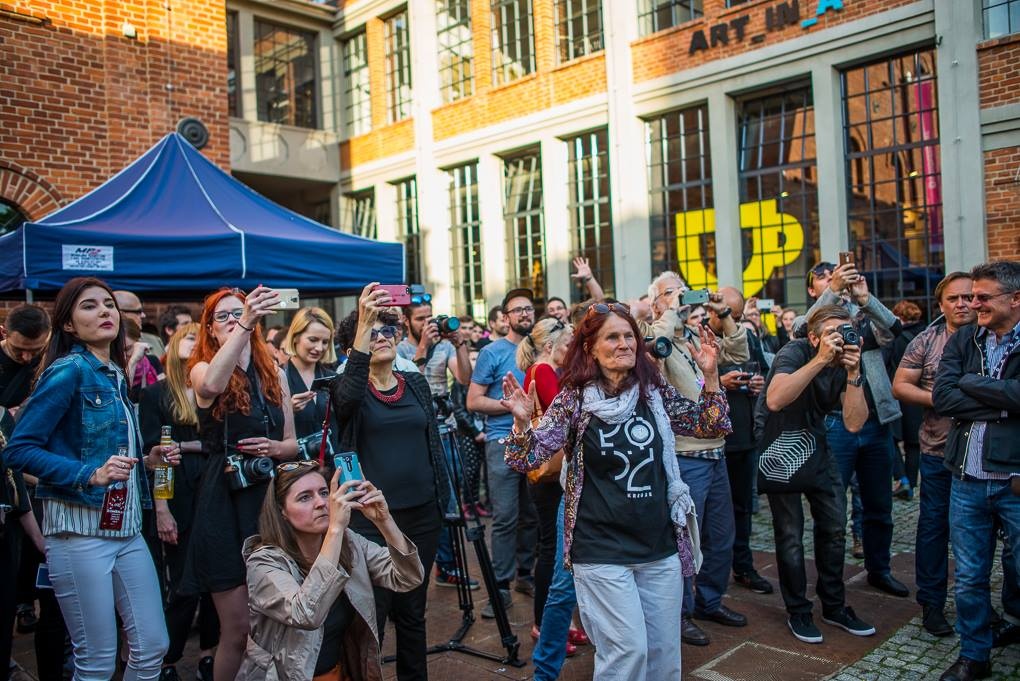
{"type": "Point", "coordinates": [513, 542]}
{"type": "Point", "coordinates": [867, 452]}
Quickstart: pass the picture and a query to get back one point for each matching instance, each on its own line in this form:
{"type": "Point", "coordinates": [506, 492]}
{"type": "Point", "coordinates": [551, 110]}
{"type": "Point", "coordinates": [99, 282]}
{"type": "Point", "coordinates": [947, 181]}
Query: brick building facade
{"type": "Point", "coordinates": [734, 141]}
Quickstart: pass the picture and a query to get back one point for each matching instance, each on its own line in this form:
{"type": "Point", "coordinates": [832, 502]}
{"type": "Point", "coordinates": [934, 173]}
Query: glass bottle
{"type": "Point", "coordinates": [163, 474]}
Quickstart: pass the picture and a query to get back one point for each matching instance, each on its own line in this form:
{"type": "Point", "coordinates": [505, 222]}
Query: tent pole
{"type": "Point", "coordinates": [29, 298]}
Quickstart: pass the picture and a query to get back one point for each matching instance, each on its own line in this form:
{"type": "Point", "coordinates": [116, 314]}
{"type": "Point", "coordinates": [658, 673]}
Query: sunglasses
{"type": "Point", "coordinates": [224, 315]}
{"type": "Point", "coordinates": [386, 332]}
{"type": "Point", "coordinates": [606, 308]}
{"type": "Point", "coordinates": [289, 466]}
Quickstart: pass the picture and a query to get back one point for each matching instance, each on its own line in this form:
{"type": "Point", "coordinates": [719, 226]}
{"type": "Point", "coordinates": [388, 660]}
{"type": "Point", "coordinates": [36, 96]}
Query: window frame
{"type": "Point", "coordinates": [1012, 17]}
{"type": "Point", "coordinates": [313, 50]}
{"type": "Point", "coordinates": [359, 207]}
{"type": "Point", "coordinates": [591, 149]}
{"type": "Point", "coordinates": [409, 229]}
{"type": "Point", "coordinates": [651, 13]}
{"type": "Point", "coordinates": [466, 239]}
{"type": "Point", "coordinates": [397, 60]}
{"type": "Point", "coordinates": [453, 87]}
{"type": "Point", "coordinates": [357, 109]}
{"type": "Point", "coordinates": [507, 70]}
{"type": "Point", "coordinates": [565, 41]}
{"type": "Point", "coordinates": [525, 228]}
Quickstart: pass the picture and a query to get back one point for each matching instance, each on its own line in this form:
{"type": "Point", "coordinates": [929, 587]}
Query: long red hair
{"type": "Point", "coordinates": [235, 398]}
{"type": "Point", "coordinates": [580, 368]}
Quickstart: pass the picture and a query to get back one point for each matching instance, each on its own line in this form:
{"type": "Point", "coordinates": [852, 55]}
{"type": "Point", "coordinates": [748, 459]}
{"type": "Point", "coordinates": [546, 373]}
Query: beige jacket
{"type": "Point", "coordinates": [683, 373]}
{"type": "Point", "coordinates": [287, 609]}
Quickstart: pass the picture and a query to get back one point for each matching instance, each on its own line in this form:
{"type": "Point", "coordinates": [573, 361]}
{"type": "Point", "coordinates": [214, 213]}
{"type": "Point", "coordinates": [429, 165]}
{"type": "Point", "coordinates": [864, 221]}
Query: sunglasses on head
{"type": "Point", "coordinates": [289, 466]}
{"type": "Point", "coordinates": [606, 308]}
{"type": "Point", "coordinates": [385, 331]}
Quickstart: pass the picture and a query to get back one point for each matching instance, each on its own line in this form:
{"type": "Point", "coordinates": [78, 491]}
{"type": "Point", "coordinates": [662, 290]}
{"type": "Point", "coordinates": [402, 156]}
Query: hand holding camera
{"type": "Point", "coordinates": [850, 358]}
{"type": "Point", "coordinates": [373, 503]}
{"type": "Point", "coordinates": [735, 379]}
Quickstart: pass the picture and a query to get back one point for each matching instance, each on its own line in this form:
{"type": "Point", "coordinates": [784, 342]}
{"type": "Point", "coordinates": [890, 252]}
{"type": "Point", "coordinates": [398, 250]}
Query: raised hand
{"type": "Point", "coordinates": [707, 356]}
{"type": "Point", "coordinates": [583, 272]}
{"type": "Point", "coordinates": [519, 403]}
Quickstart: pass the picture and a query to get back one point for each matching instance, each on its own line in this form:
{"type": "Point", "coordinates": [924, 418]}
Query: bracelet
{"type": "Point", "coordinates": [245, 327]}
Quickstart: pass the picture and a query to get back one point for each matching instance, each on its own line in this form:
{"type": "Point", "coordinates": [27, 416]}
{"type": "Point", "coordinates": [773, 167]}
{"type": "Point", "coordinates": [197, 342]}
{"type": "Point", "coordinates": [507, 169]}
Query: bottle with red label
{"type": "Point", "coordinates": [115, 502]}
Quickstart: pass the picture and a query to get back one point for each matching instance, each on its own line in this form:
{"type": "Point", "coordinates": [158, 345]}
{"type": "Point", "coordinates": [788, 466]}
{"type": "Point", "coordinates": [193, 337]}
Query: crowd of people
{"type": "Point", "coordinates": [293, 489]}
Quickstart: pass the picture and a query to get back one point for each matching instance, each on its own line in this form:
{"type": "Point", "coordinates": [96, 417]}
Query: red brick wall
{"type": "Point", "coordinates": [998, 71]}
{"type": "Point", "coordinates": [1002, 203]}
{"type": "Point", "coordinates": [79, 100]}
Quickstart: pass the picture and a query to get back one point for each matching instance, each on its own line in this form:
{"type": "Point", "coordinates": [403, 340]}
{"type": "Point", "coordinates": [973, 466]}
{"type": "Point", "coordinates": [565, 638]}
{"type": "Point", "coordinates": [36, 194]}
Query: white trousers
{"type": "Point", "coordinates": [632, 614]}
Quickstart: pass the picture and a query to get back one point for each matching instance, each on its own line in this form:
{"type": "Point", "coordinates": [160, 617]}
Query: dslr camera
{"type": "Point", "coordinates": [445, 324]}
{"type": "Point", "coordinates": [849, 334]}
{"type": "Point", "coordinates": [244, 471]}
{"type": "Point", "coordinates": [659, 348]}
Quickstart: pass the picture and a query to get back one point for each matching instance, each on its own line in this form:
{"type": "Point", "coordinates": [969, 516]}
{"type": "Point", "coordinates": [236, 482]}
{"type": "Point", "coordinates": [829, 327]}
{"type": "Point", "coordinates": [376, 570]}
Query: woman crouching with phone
{"type": "Point", "coordinates": [310, 578]}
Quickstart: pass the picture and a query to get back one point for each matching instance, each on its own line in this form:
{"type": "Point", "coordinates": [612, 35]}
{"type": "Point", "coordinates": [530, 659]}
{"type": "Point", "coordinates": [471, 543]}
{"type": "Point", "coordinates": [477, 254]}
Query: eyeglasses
{"type": "Point", "coordinates": [224, 315]}
{"type": "Point", "coordinates": [523, 309]}
{"type": "Point", "coordinates": [986, 297]}
{"type": "Point", "coordinates": [289, 466]}
{"type": "Point", "coordinates": [606, 308]}
{"type": "Point", "coordinates": [125, 310]}
{"type": "Point", "coordinates": [386, 332]}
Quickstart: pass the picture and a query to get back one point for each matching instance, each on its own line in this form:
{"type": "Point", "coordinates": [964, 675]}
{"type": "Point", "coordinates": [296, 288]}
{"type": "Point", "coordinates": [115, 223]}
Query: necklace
{"type": "Point", "coordinates": [389, 399]}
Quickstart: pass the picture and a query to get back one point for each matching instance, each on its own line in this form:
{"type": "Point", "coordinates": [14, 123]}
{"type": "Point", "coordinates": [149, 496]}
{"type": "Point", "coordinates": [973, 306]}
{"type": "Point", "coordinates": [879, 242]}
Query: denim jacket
{"type": "Point", "coordinates": [71, 424]}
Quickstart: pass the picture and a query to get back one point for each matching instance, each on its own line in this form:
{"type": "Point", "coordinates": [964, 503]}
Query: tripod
{"type": "Point", "coordinates": [475, 533]}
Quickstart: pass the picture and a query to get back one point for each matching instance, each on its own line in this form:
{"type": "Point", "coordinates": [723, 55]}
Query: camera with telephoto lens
{"type": "Point", "coordinates": [308, 446]}
{"type": "Point", "coordinates": [445, 324]}
{"type": "Point", "coordinates": [659, 348]}
{"type": "Point", "coordinates": [244, 471]}
{"type": "Point", "coordinates": [849, 334]}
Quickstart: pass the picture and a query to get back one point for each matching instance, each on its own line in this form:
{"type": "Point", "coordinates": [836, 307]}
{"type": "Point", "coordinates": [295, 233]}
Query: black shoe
{"type": "Point", "coordinates": [934, 621]}
{"type": "Point", "coordinates": [723, 616]}
{"type": "Point", "coordinates": [692, 634]}
{"type": "Point", "coordinates": [205, 669]}
{"type": "Point", "coordinates": [169, 674]}
{"type": "Point", "coordinates": [888, 584]}
{"type": "Point", "coordinates": [965, 669]}
{"type": "Point", "coordinates": [846, 619]}
{"type": "Point", "coordinates": [1005, 633]}
{"type": "Point", "coordinates": [27, 620]}
{"type": "Point", "coordinates": [504, 594]}
{"type": "Point", "coordinates": [525, 585]}
{"type": "Point", "coordinates": [803, 627]}
{"type": "Point", "coordinates": [753, 581]}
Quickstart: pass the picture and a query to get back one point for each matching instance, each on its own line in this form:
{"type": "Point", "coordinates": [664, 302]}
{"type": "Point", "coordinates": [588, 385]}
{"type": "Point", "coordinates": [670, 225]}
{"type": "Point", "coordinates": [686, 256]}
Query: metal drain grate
{"type": "Point", "coordinates": [756, 662]}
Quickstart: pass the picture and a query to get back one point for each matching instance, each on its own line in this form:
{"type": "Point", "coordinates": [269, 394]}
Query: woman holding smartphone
{"type": "Point", "coordinates": [310, 578]}
{"type": "Point", "coordinates": [78, 435]}
{"type": "Point", "coordinates": [309, 344]}
{"type": "Point", "coordinates": [245, 418]}
{"type": "Point", "coordinates": [389, 420]}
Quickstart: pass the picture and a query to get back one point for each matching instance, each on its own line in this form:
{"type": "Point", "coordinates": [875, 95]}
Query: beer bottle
{"type": "Point", "coordinates": [163, 475]}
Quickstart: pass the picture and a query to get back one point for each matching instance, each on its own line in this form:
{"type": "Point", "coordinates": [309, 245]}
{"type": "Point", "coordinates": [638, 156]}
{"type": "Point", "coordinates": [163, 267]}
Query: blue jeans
{"type": "Point", "coordinates": [551, 649]}
{"type": "Point", "coordinates": [709, 481]}
{"type": "Point", "coordinates": [931, 554]}
{"type": "Point", "coordinates": [514, 532]}
{"type": "Point", "coordinates": [869, 454]}
{"type": "Point", "coordinates": [974, 508]}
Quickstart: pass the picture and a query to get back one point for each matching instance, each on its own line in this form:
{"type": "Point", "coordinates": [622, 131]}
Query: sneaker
{"type": "Point", "coordinates": [205, 669]}
{"type": "Point", "coordinates": [169, 674]}
{"type": "Point", "coordinates": [753, 581]}
{"type": "Point", "coordinates": [845, 618]}
{"type": "Point", "coordinates": [525, 584]}
{"type": "Point", "coordinates": [453, 578]}
{"type": "Point", "coordinates": [469, 511]}
{"type": "Point", "coordinates": [803, 627]}
{"type": "Point", "coordinates": [26, 618]}
{"type": "Point", "coordinates": [504, 594]}
{"type": "Point", "coordinates": [482, 511]}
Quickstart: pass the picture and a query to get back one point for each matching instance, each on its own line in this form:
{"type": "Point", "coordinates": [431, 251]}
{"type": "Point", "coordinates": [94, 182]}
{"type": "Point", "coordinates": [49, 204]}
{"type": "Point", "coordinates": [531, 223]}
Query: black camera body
{"type": "Point", "coordinates": [244, 471]}
{"type": "Point", "coordinates": [445, 323]}
{"type": "Point", "coordinates": [659, 348]}
{"type": "Point", "coordinates": [849, 334]}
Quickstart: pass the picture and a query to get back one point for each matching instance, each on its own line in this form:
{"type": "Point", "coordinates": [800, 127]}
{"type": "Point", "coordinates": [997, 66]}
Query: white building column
{"type": "Point", "coordinates": [555, 196]}
{"type": "Point", "coordinates": [830, 160]}
{"type": "Point", "coordinates": [722, 134]}
{"type": "Point", "coordinates": [246, 64]}
{"type": "Point", "coordinates": [386, 211]}
{"type": "Point", "coordinates": [490, 210]}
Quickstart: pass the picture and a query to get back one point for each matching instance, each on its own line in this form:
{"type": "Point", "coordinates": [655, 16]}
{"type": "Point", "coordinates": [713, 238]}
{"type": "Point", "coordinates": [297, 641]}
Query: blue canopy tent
{"type": "Point", "coordinates": [173, 221]}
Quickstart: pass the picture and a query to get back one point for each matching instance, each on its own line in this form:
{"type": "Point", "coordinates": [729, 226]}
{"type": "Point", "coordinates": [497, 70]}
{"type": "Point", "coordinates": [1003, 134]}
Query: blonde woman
{"type": "Point", "coordinates": [309, 344]}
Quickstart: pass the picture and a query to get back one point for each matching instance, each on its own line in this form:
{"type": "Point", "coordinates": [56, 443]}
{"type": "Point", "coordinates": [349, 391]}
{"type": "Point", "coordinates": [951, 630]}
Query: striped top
{"type": "Point", "coordinates": [63, 517]}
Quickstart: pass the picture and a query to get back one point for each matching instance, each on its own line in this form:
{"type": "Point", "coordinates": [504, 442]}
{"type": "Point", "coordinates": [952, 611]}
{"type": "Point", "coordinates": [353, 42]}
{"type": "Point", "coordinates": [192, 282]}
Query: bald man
{"type": "Point", "coordinates": [131, 307]}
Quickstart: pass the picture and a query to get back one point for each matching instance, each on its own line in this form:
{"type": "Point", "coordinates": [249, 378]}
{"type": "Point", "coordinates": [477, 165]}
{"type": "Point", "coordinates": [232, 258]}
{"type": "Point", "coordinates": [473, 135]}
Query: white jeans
{"type": "Point", "coordinates": [91, 577]}
{"type": "Point", "coordinates": [632, 614]}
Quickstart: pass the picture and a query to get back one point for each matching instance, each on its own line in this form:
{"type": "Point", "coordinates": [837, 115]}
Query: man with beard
{"type": "Point", "coordinates": [513, 542]}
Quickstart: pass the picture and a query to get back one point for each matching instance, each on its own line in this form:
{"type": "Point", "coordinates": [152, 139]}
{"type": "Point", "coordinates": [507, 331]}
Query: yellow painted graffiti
{"type": "Point", "coordinates": [777, 240]}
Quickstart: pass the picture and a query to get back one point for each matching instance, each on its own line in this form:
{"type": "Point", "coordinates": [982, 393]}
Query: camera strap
{"type": "Point", "coordinates": [325, 432]}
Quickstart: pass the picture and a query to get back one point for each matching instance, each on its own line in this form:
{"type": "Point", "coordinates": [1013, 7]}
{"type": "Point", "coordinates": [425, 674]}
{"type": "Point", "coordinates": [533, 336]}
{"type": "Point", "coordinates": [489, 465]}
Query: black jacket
{"type": "Point", "coordinates": [351, 389]}
{"type": "Point", "coordinates": [964, 391]}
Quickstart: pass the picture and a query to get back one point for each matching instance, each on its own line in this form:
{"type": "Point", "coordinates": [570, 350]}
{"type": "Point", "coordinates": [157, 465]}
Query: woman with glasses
{"type": "Point", "coordinates": [309, 345]}
{"type": "Point", "coordinates": [246, 423]}
{"type": "Point", "coordinates": [628, 520]}
{"type": "Point", "coordinates": [388, 418]}
{"type": "Point", "coordinates": [171, 402]}
{"type": "Point", "coordinates": [78, 435]}
{"type": "Point", "coordinates": [310, 578]}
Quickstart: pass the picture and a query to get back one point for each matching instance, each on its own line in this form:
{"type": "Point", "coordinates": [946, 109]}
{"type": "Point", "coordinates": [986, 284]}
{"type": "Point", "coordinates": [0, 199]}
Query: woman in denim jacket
{"type": "Point", "coordinates": [68, 435]}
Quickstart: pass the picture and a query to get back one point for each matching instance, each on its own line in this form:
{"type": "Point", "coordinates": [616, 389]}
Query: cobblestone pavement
{"type": "Point", "coordinates": [762, 651]}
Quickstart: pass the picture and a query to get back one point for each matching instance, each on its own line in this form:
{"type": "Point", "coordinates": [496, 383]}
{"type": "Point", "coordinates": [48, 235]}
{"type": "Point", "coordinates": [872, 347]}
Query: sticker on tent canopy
{"type": "Point", "coordinates": [88, 258]}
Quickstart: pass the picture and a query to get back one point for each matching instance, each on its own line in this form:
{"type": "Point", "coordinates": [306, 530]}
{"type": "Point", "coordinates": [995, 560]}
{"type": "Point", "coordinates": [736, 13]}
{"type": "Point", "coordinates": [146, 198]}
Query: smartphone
{"type": "Point", "coordinates": [846, 258]}
{"type": "Point", "coordinates": [324, 382]}
{"type": "Point", "coordinates": [42, 577]}
{"type": "Point", "coordinates": [400, 293]}
{"type": "Point", "coordinates": [695, 297]}
{"type": "Point", "coordinates": [766, 304]}
{"type": "Point", "coordinates": [349, 466]}
{"type": "Point", "coordinates": [290, 299]}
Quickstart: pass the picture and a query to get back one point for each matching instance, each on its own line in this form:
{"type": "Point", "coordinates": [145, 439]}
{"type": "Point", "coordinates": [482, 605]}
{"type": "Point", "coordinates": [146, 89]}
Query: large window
{"type": "Point", "coordinates": [453, 23]}
{"type": "Point", "coordinates": [466, 241]}
{"type": "Point", "coordinates": [894, 183]}
{"type": "Point", "coordinates": [680, 193]}
{"type": "Point", "coordinates": [408, 231]}
{"type": "Point", "coordinates": [398, 67]}
{"type": "Point", "coordinates": [357, 100]}
{"type": "Point", "coordinates": [1000, 17]}
{"type": "Point", "coordinates": [658, 15]}
{"type": "Point", "coordinates": [285, 88]}
{"type": "Point", "coordinates": [10, 217]}
{"type": "Point", "coordinates": [578, 28]}
{"type": "Point", "coordinates": [513, 45]}
{"type": "Point", "coordinates": [357, 214]}
{"type": "Point", "coordinates": [591, 222]}
{"type": "Point", "coordinates": [778, 194]}
{"type": "Point", "coordinates": [522, 189]}
{"type": "Point", "coordinates": [233, 91]}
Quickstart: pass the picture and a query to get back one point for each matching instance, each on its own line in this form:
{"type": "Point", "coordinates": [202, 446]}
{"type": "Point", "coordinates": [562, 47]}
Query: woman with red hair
{"type": "Point", "coordinates": [245, 422]}
{"type": "Point", "coordinates": [629, 533]}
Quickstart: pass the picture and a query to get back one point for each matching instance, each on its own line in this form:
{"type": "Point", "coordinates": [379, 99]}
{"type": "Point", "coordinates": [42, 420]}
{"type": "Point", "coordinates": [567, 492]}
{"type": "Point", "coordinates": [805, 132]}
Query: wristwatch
{"type": "Point", "coordinates": [856, 382]}
{"type": "Point", "coordinates": [421, 361]}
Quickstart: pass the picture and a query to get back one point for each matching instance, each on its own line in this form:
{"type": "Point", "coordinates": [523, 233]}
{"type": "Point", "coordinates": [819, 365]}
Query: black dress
{"type": "Point", "coordinates": [309, 420]}
{"type": "Point", "coordinates": [224, 517]}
